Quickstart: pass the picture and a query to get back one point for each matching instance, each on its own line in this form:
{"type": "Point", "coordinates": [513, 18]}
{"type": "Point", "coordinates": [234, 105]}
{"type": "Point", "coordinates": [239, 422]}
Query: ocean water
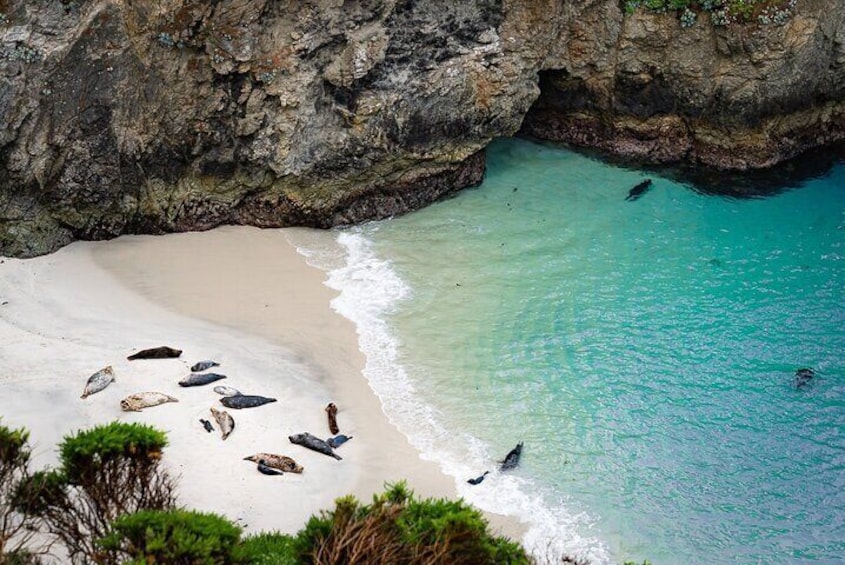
{"type": "Point", "coordinates": [643, 351]}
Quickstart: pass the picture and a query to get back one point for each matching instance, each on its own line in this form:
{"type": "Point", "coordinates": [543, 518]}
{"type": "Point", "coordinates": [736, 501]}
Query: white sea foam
{"type": "Point", "coordinates": [370, 290]}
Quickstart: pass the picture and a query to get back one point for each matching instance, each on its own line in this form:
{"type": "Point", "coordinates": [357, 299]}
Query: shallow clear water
{"type": "Point", "coordinates": [644, 352]}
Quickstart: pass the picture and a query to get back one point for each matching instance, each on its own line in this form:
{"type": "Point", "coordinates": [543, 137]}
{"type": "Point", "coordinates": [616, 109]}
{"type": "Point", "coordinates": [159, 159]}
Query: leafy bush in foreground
{"type": "Point", "coordinates": [16, 528]}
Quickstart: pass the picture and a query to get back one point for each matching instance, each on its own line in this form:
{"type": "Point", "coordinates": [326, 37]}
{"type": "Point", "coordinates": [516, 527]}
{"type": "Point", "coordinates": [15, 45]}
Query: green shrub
{"type": "Point", "coordinates": [16, 527]}
{"type": "Point", "coordinates": [174, 537]}
{"type": "Point", "coordinates": [270, 549]}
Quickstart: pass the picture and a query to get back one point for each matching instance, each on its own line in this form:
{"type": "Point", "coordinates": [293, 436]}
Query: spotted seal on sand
{"type": "Point", "coordinates": [98, 381]}
{"type": "Point", "coordinates": [512, 458]}
{"type": "Point", "coordinates": [224, 420]}
{"type": "Point", "coordinates": [638, 190]}
{"type": "Point", "coordinates": [135, 402]}
{"type": "Point", "coordinates": [162, 352]}
{"type": "Point", "coordinates": [226, 390]}
{"type": "Point", "coordinates": [312, 442]}
{"type": "Point", "coordinates": [331, 410]}
{"type": "Point", "coordinates": [266, 469]}
{"type": "Point", "coordinates": [281, 462]}
{"type": "Point", "coordinates": [199, 379]}
{"type": "Point", "coordinates": [203, 365]}
{"type": "Point", "coordinates": [338, 440]}
{"type": "Point", "coordinates": [245, 401]}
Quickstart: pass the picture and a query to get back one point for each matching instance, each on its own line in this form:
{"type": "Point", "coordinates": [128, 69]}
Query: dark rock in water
{"type": "Point", "coordinates": [512, 458]}
{"type": "Point", "coordinates": [207, 425]}
{"type": "Point", "coordinates": [245, 401]}
{"type": "Point", "coordinates": [803, 376]}
{"type": "Point", "coordinates": [638, 190]}
{"type": "Point", "coordinates": [264, 468]}
{"type": "Point", "coordinates": [312, 442]}
{"type": "Point", "coordinates": [477, 480]}
{"type": "Point", "coordinates": [203, 365]}
{"type": "Point", "coordinates": [162, 352]}
{"type": "Point", "coordinates": [337, 441]}
{"type": "Point", "coordinates": [199, 379]}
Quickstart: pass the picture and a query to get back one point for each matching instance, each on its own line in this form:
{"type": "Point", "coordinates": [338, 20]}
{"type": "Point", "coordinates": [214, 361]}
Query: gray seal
{"type": "Point", "coordinates": [203, 365]}
{"type": "Point", "coordinates": [162, 352]}
{"type": "Point", "coordinates": [199, 379]}
{"type": "Point", "coordinates": [245, 401]}
{"type": "Point", "coordinates": [638, 190]}
{"type": "Point", "coordinates": [512, 458]}
{"type": "Point", "coordinates": [98, 381]}
{"type": "Point", "coordinates": [224, 390]}
{"type": "Point", "coordinates": [314, 443]}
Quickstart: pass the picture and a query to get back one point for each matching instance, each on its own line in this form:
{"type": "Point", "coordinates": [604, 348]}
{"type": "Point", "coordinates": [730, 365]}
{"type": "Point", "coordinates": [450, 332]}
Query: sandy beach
{"type": "Point", "coordinates": [241, 296]}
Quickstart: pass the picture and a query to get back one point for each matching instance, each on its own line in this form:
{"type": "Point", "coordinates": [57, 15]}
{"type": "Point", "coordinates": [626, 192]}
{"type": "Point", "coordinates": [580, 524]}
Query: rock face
{"type": "Point", "coordinates": [131, 116]}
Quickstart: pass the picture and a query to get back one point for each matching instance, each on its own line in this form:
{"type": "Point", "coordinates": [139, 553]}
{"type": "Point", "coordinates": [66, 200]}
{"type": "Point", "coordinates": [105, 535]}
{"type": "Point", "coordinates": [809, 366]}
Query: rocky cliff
{"type": "Point", "coordinates": [130, 116]}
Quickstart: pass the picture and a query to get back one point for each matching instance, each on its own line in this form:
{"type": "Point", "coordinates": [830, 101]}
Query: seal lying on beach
{"type": "Point", "coordinates": [224, 420]}
{"type": "Point", "coordinates": [199, 379]}
{"type": "Point", "coordinates": [245, 401]}
{"type": "Point", "coordinates": [266, 469]}
{"type": "Point", "coordinates": [331, 410]}
{"type": "Point", "coordinates": [281, 462]}
{"type": "Point", "coordinates": [135, 402]}
{"type": "Point", "coordinates": [162, 352]}
{"type": "Point", "coordinates": [98, 381]}
{"type": "Point", "coordinates": [226, 390]}
{"type": "Point", "coordinates": [638, 190]}
{"type": "Point", "coordinates": [477, 480]}
{"type": "Point", "coordinates": [803, 376]}
{"type": "Point", "coordinates": [337, 441]}
{"type": "Point", "coordinates": [512, 458]}
{"type": "Point", "coordinates": [207, 425]}
{"type": "Point", "coordinates": [203, 365]}
{"type": "Point", "coordinates": [312, 442]}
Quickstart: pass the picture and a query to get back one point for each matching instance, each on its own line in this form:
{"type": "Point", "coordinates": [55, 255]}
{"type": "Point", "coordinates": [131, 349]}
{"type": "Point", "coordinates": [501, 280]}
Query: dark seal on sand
{"type": "Point", "coordinates": [512, 458]}
{"type": "Point", "coordinates": [331, 410]}
{"type": "Point", "coordinates": [312, 442]}
{"type": "Point", "coordinates": [203, 365]}
{"type": "Point", "coordinates": [162, 352]}
{"type": "Point", "coordinates": [245, 401]}
{"type": "Point", "coordinates": [199, 379]}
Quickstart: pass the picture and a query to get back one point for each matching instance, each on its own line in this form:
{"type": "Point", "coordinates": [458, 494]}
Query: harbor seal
{"type": "Point", "coordinates": [224, 420]}
{"type": "Point", "coordinates": [226, 390]}
{"type": "Point", "coordinates": [281, 462]}
{"type": "Point", "coordinates": [638, 190]}
{"type": "Point", "coordinates": [98, 381]}
{"type": "Point", "coordinates": [331, 410]}
{"type": "Point", "coordinates": [203, 365]}
{"type": "Point", "coordinates": [803, 376]}
{"type": "Point", "coordinates": [337, 441]}
{"type": "Point", "coordinates": [512, 458]}
{"type": "Point", "coordinates": [477, 480]}
{"type": "Point", "coordinates": [314, 443]}
{"type": "Point", "coordinates": [162, 352]}
{"type": "Point", "coordinates": [199, 379]}
{"type": "Point", "coordinates": [207, 425]}
{"type": "Point", "coordinates": [136, 402]}
{"type": "Point", "coordinates": [245, 401]}
{"type": "Point", "coordinates": [267, 470]}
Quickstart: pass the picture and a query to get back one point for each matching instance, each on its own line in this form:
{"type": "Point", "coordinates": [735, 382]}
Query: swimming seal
{"type": "Point", "coordinates": [136, 402]}
{"type": "Point", "coordinates": [203, 365]}
{"type": "Point", "coordinates": [314, 443]}
{"type": "Point", "coordinates": [224, 420]}
{"type": "Point", "coordinates": [162, 352]}
{"type": "Point", "coordinates": [477, 480]}
{"type": "Point", "coordinates": [803, 376]}
{"type": "Point", "coordinates": [331, 410]}
{"type": "Point", "coordinates": [224, 390]}
{"type": "Point", "coordinates": [281, 462]}
{"type": "Point", "coordinates": [98, 381]}
{"type": "Point", "coordinates": [239, 401]}
{"type": "Point", "coordinates": [337, 441]}
{"type": "Point", "coordinates": [199, 379]}
{"type": "Point", "coordinates": [207, 425]}
{"type": "Point", "coordinates": [264, 468]}
{"type": "Point", "coordinates": [638, 190]}
{"type": "Point", "coordinates": [512, 458]}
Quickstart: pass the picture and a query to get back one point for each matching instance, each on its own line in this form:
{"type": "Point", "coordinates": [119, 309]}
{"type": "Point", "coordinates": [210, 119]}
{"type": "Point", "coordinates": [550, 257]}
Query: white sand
{"type": "Point", "coordinates": [240, 296]}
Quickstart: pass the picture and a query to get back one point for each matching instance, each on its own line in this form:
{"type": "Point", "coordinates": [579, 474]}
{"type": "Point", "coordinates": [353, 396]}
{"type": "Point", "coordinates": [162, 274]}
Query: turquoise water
{"type": "Point", "coordinates": [643, 351]}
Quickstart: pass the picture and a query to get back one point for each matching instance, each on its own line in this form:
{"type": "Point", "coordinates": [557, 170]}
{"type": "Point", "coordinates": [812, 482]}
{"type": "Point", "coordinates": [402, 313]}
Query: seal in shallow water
{"type": "Point", "coordinates": [162, 352]}
{"type": "Point", "coordinates": [224, 420]}
{"type": "Point", "coordinates": [98, 381]}
{"type": "Point", "coordinates": [245, 401]}
{"type": "Point", "coordinates": [135, 402]}
{"type": "Point", "coordinates": [478, 480]}
{"type": "Point", "coordinates": [312, 442]}
{"type": "Point", "coordinates": [203, 365]}
{"type": "Point", "coordinates": [331, 410]}
{"type": "Point", "coordinates": [803, 376]}
{"type": "Point", "coordinates": [638, 190]}
{"type": "Point", "coordinates": [199, 379]}
{"type": "Point", "coordinates": [281, 462]}
{"type": "Point", "coordinates": [512, 458]}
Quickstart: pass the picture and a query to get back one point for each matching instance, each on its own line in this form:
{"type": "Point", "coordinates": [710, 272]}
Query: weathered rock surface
{"type": "Point", "coordinates": [130, 116]}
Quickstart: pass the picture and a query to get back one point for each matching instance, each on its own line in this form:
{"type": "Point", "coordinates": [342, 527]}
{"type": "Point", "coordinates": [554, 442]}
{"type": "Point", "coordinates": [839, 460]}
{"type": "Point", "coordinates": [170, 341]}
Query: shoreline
{"type": "Point", "coordinates": [239, 295]}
